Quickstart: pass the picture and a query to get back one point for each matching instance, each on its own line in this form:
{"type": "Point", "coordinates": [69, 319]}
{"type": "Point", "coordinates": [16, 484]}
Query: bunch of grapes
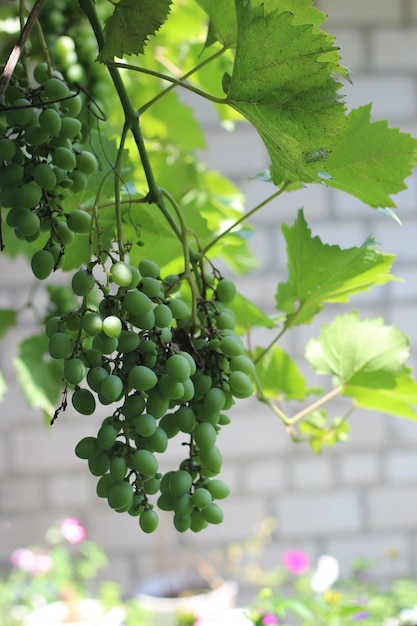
{"type": "Point", "coordinates": [170, 369]}
{"type": "Point", "coordinates": [39, 160]}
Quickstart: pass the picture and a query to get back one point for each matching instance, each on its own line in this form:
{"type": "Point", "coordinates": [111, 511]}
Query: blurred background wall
{"type": "Point", "coordinates": [357, 499]}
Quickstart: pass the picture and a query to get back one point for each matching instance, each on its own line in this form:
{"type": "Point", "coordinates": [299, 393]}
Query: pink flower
{"type": "Point", "coordinates": [29, 561]}
{"type": "Point", "coordinates": [72, 530]}
{"type": "Point", "coordinates": [296, 561]}
{"type": "Point", "coordinates": [270, 618]}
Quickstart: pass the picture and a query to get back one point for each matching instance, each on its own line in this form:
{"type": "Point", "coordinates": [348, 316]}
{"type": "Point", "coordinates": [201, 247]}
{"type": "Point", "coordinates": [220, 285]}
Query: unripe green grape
{"type": "Point", "coordinates": [137, 303]}
{"type": "Point", "coordinates": [225, 291]}
{"type": "Point", "coordinates": [83, 401]}
{"type": "Point", "coordinates": [44, 176]}
{"type": "Point", "coordinates": [29, 195]}
{"type": "Point", "coordinates": [99, 465]}
{"type": "Point", "coordinates": [170, 388]}
{"type": "Point", "coordinates": [95, 377]}
{"type": "Point", "coordinates": [41, 72]}
{"type": "Point", "coordinates": [120, 495]}
{"type": "Point", "coordinates": [205, 436]}
{"type": "Point", "coordinates": [79, 181]}
{"type": "Point", "coordinates": [163, 315]}
{"type": "Point", "coordinates": [145, 322]}
{"type": "Point", "coordinates": [213, 514]}
{"type": "Point", "coordinates": [118, 468]}
{"type": "Point", "coordinates": [103, 485]}
{"type": "Point", "coordinates": [133, 406]}
{"type": "Point", "coordinates": [86, 162]}
{"type": "Point", "coordinates": [28, 223]}
{"type": "Point", "coordinates": [79, 221]}
{"type": "Point", "coordinates": [201, 498]}
{"type": "Point", "coordinates": [240, 384]}
{"type": "Point", "coordinates": [178, 368]}
{"type": "Point", "coordinates": [121, 274]}
{"type": "Point", "coordinates": [53, 325]}
{"type": "Point", "coordinates": [242, 363]}
{"type": "Point", "coordinates": [198, 523]}
{"type": "Point", "coordinates": [10, 198]}
{"type": "Point", "coordinates": [190, 360]}
{"type": "Point", "coordinates": [112, 388]}
{"type": "Point", "coordinates": [142, 378]}
{"type": "Point", "coordinates": [74, 371]}
{"type": "Point", "coordinates": [157, 405]}
{"type": "Point", "coordinates": [149, 268]}
{"type": "Point", "coordinates": [70, 128]}
{"type": "Point", "coordinates": [182, 524]}
{"type": "Point", "coordinates": [72, 106]}
{"type": "Point", "coordinates": [202, 383]}
{"type": "Point", "coordinates": [92, 323]}
{"type": "Point", "coordinates": [148, 521]}
{"type": "Point", "coordinates": [59, 345]}
{"type": "Point", "coordinates": [151, 287]}
{"type": "Point", "coordinates": [82, 282]}
{"type": "Point", "coordinates": [185, 419]}
{"type": "Point", "coordinates": [112, 326]}
{"type": "Point", "coordinates": [226, 321]}
{"type": "Point", "coordinates": [55, 89]}
{"type": "Point", "coordinates": [231, 346]}
{"type": "Point", "coordinates": [50, 122]}
{"type": "Point", "coordinates": [180, 482]}
{"type": "Point", "coordinates": [218, 489]}
{"type": "Point", "coordinates": [105, 344]}
{"type": "Point", "coordinates": [21, 112]}
{"type": "Point", "coordinates": [180, 309]}
{"type": "Point", "coordinates": [212, 460]}
{"type": "Point", "coordinates": [106, 436]}
{"type": "Point", "coordinates": [188, 391]}
{"type": "Point", "coordinates": [169, 425]}
{"type": "Point", "coordinates": [182, 504]}
{"type": "Point", "coordinates": [64, 158]}
{"type": "Point", "coordinates": [7, 149]}
{"type": "Point", "coordinates": [135, 278]}
{"type": "Point", "coordinates": [213, 401]}
{"type": "Point", "coordinates": [36, 136]}
{"type": "Point", "coordinates": [158, 442]}
{"type": "Point", "coordinates": [11, 175]}
{"type": "Point", "coordinates": [63, 233]}
{"type": "Point", "coordinates": [128, 341]}
{"type": "Point", "coordinates": [145, 425]}
{"type": "Point", "coordinates": [137, 506]}
{"type": "Point", "coordinates": [144, 462]}
{"type": "Point", "coordinates": [87, 448]}
{"type": "Point", "coordinates": [151, 485]}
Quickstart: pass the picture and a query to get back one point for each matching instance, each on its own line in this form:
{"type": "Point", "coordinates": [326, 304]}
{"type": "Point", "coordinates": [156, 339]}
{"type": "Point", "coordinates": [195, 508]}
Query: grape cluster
{"type": "Point", "coordinates": [39, 160]}
{"type": "Point", "coordinates": [169, 370]}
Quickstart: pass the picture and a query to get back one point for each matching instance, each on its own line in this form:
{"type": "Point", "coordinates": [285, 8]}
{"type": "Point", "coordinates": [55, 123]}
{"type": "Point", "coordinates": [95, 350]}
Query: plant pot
{"type": "Point", "coordinates": [163, 598]}
{"type": "Point", "coordinates": [91, 614]}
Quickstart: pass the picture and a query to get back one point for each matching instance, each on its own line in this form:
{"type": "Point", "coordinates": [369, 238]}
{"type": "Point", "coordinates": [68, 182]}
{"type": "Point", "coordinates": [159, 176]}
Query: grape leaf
{"type": "Point", "coordinates": [370, 161]}
{"type": "Point", "coordinates": [334, 276]}
{"type": "Point", "coordinates": [8, 318]}
{"type": "Point", "coordinates": [282, 82]}
{"type": "Point", "coordinates": [248, 315]}
{"type": "Point", "coordinates": [129, 27]}
{"type": "Point", "coordinates": [222, 25]}
{"type": "Point", "coordinates": [41, 380]}
{"type": "Point", "coordinates": [279, 375]}
{"type": "Point", "coordinates": [358, 352]}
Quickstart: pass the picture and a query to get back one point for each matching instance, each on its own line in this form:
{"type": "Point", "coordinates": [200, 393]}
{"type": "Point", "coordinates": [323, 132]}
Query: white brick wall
{"type": "Point", "coordinates": [358, 499]}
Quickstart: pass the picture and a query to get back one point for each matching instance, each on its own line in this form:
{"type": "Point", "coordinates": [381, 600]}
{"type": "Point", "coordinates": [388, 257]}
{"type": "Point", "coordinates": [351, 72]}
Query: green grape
{"type": "Point", "coordinates": [191, 362]}
{"type": "Point", "coordinates": [231, 346]}
{"type": "Point", "coordinates": [158, 442]}
{"type": "Point", "coordinates": [72, 106]}
{"type": "Point", "coordinates": [205, 436]}
{"type": "Point", "coordinates": [93, 357]}
{"type": "Point", "coordinates": [53, 325]}
{"type": "Point", "coordinates": [86, 162]}
{"type": "Point", "coordinates": [120, 495]}
{"type": "Point", "coordinates": [41, 73]}
{"type": "Point", "coordinates": [151, 485]}
{"type": "Point", "coordinates": [55, 89]}
{"type": "Point", "coordinates": [225, 321]}
{"type": "Point", "coordinates": [105, 344]}
{"type": "Point", "coordinates": [87, 448]}
{"type": "Point", "coordinates": [225, 291]}
{"type": "Point", "coordinates": [82, 282]}
{"type": "Point", "coordinates": [142, 378]}
{"type": "Point", "coordinates": [83, 401]}
{"type": "Point", "coordinates": [182, 524]}
{"type": "Point", "coordinates": [103, 485]}
{"type": "Point", "coordinates": [145, 322]}
{"type": "Point", "coordinates": [151, 287]}
{"type": "Point", "coordinates": [182, 503]}
{"type": "Point", "coordinates": [213, 514]}
{"type": "Point", "coordinates": [144, 462]}
{"type": "Point", "coordinates": [50, 122]}
{"type": "Point", "coordinates": [178, 368]}
{"type": "Point", "coordinates": [70, 128]}
{"type": "Point", "coordinates": [242, 363]}
{"type": "Point", "coordinates": [106, 436]}
{"type": "Point", "coordinates": [64, 158]}
{"type": "Point", "coordinates": [169, 425]}
{"type": "Point", "coordinates": [63, 233]}
{"type": "Point", "coordinates": [202, 383]}
{"type": "Point", "coordinates": [95, 377]}
{"type": "Point", "coordinates": [79, 181]}
{"type": "Point", "coordinates": [211, 459]}
{"type": "Point", "coordinates": [201, 498]}
{"type": "Point", "coordinates": [7, 149]}
{"type": "Point", "coordinates": [213, 401]}
{"type": "Point", "coordinates": [198, 523]}
{"type": "Point", "coordinates": [180, 482]}
{"type": "Point", "coordinates": [148, 521]}
{"type": "Point", "coordinates": [240, 384]}
{"type": "Point", "coordinates": [28, 224]}
{"type": "Point", "coordinates": [9, 198]}
{"type": "Point", "coordinates": [36, 136]}
{"type": "Point", "coordinates": [157, 405]}
{"type": "Point", "coordinates": [11, 175]}
{"type": "Point", "coordinates": [179, 309]}
{"type": "Point", "coordinates": [21, 113]}
{"type": "Point", "coordinates": [188, 391]}
{"type": "Point", "coordinates": [149, 268]}
{"type": "Point", "coordinates": [185, 419]}
{"type": "Point", "coordinates": [45, 176]}
{"type": "Point", "coordinates": [128, 341]}
{"type": "Point", "coordinates": [218, 489]}
{"type": "Point", "coordinates": [92, 323]}
{"type": "Point", "coordinates": [59, 345]}
{"type": "Point", "coordinates": [112, 326]}
{"type": "Point", "coordinates": [99, 465]}
{"type": "Point", "coordinates": [170, 388]}
{"type": "Point", "coordinates": [133, 405]}
{"type": "Point", "coordinates": [118, 468]}
{"type": "Point", "coordinates": [137, 303]}
{"type": "Point", "coordinates": [145, 425]}
{"type": "Point", "coordinates": [121, 274]}
{"type": "Point", "coordinates": [79, 221]}
{"type": "Point", "coordinates": [163, 315]}
{"type": "Point", "coordinates": [29, 195]}
{"type": "Point", "coordinates": [112, 388]}
{"type": "Point", "coordinates": [135, 278]}
{"type": "Point", "coordinates": [74, 371]}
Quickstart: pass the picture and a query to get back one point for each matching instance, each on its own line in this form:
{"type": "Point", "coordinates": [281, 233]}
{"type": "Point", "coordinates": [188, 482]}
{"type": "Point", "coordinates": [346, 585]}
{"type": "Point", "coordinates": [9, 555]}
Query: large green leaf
{"type": "Point", "coordinates": [129, 27]}
{"type": "Point", "coordinates": [282, 82]}
{"type": "Point", "coordinates": [320, 273]}
{"type": "Point", "coordinates": [371, 160]}
{"type": "Point", "coordinates": [279, 375]}
{"type": "Point", "coordinates": [222, 25]}
{"type": "Point", "coordinates": [40, 379]}
{"type": "Point", "coordinates": [8, 318]}
{"type": "Point", "coordinates": [368, 359]}
{"type": "Point", "coordinates": [248, 315]}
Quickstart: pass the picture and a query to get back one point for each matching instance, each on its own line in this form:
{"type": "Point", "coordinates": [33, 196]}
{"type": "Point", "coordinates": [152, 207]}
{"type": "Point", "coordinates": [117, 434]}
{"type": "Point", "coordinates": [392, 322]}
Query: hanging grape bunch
{"type": "Point", "coordinates": [40, 159]}
{"type": "Point", "coordinates": [170, 372]}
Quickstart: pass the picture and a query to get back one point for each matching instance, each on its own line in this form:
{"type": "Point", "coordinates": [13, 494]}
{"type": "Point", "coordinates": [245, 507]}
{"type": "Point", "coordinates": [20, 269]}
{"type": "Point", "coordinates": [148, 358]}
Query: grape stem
{"type": "Point", "coordinates": [117, 179]}
{"type": "Point", "coordinates": [17, 50]}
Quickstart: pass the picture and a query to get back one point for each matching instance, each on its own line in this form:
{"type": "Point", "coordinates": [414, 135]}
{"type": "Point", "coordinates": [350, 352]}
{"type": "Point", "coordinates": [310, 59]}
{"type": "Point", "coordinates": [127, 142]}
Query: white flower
{"type": "Point", "coordinates": [327, 572]}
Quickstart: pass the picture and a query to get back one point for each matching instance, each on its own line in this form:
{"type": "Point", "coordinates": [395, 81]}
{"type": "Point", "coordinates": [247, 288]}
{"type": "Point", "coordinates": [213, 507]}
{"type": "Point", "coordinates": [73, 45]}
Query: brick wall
{"type": "Point", "coordinates": [359, 499]}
